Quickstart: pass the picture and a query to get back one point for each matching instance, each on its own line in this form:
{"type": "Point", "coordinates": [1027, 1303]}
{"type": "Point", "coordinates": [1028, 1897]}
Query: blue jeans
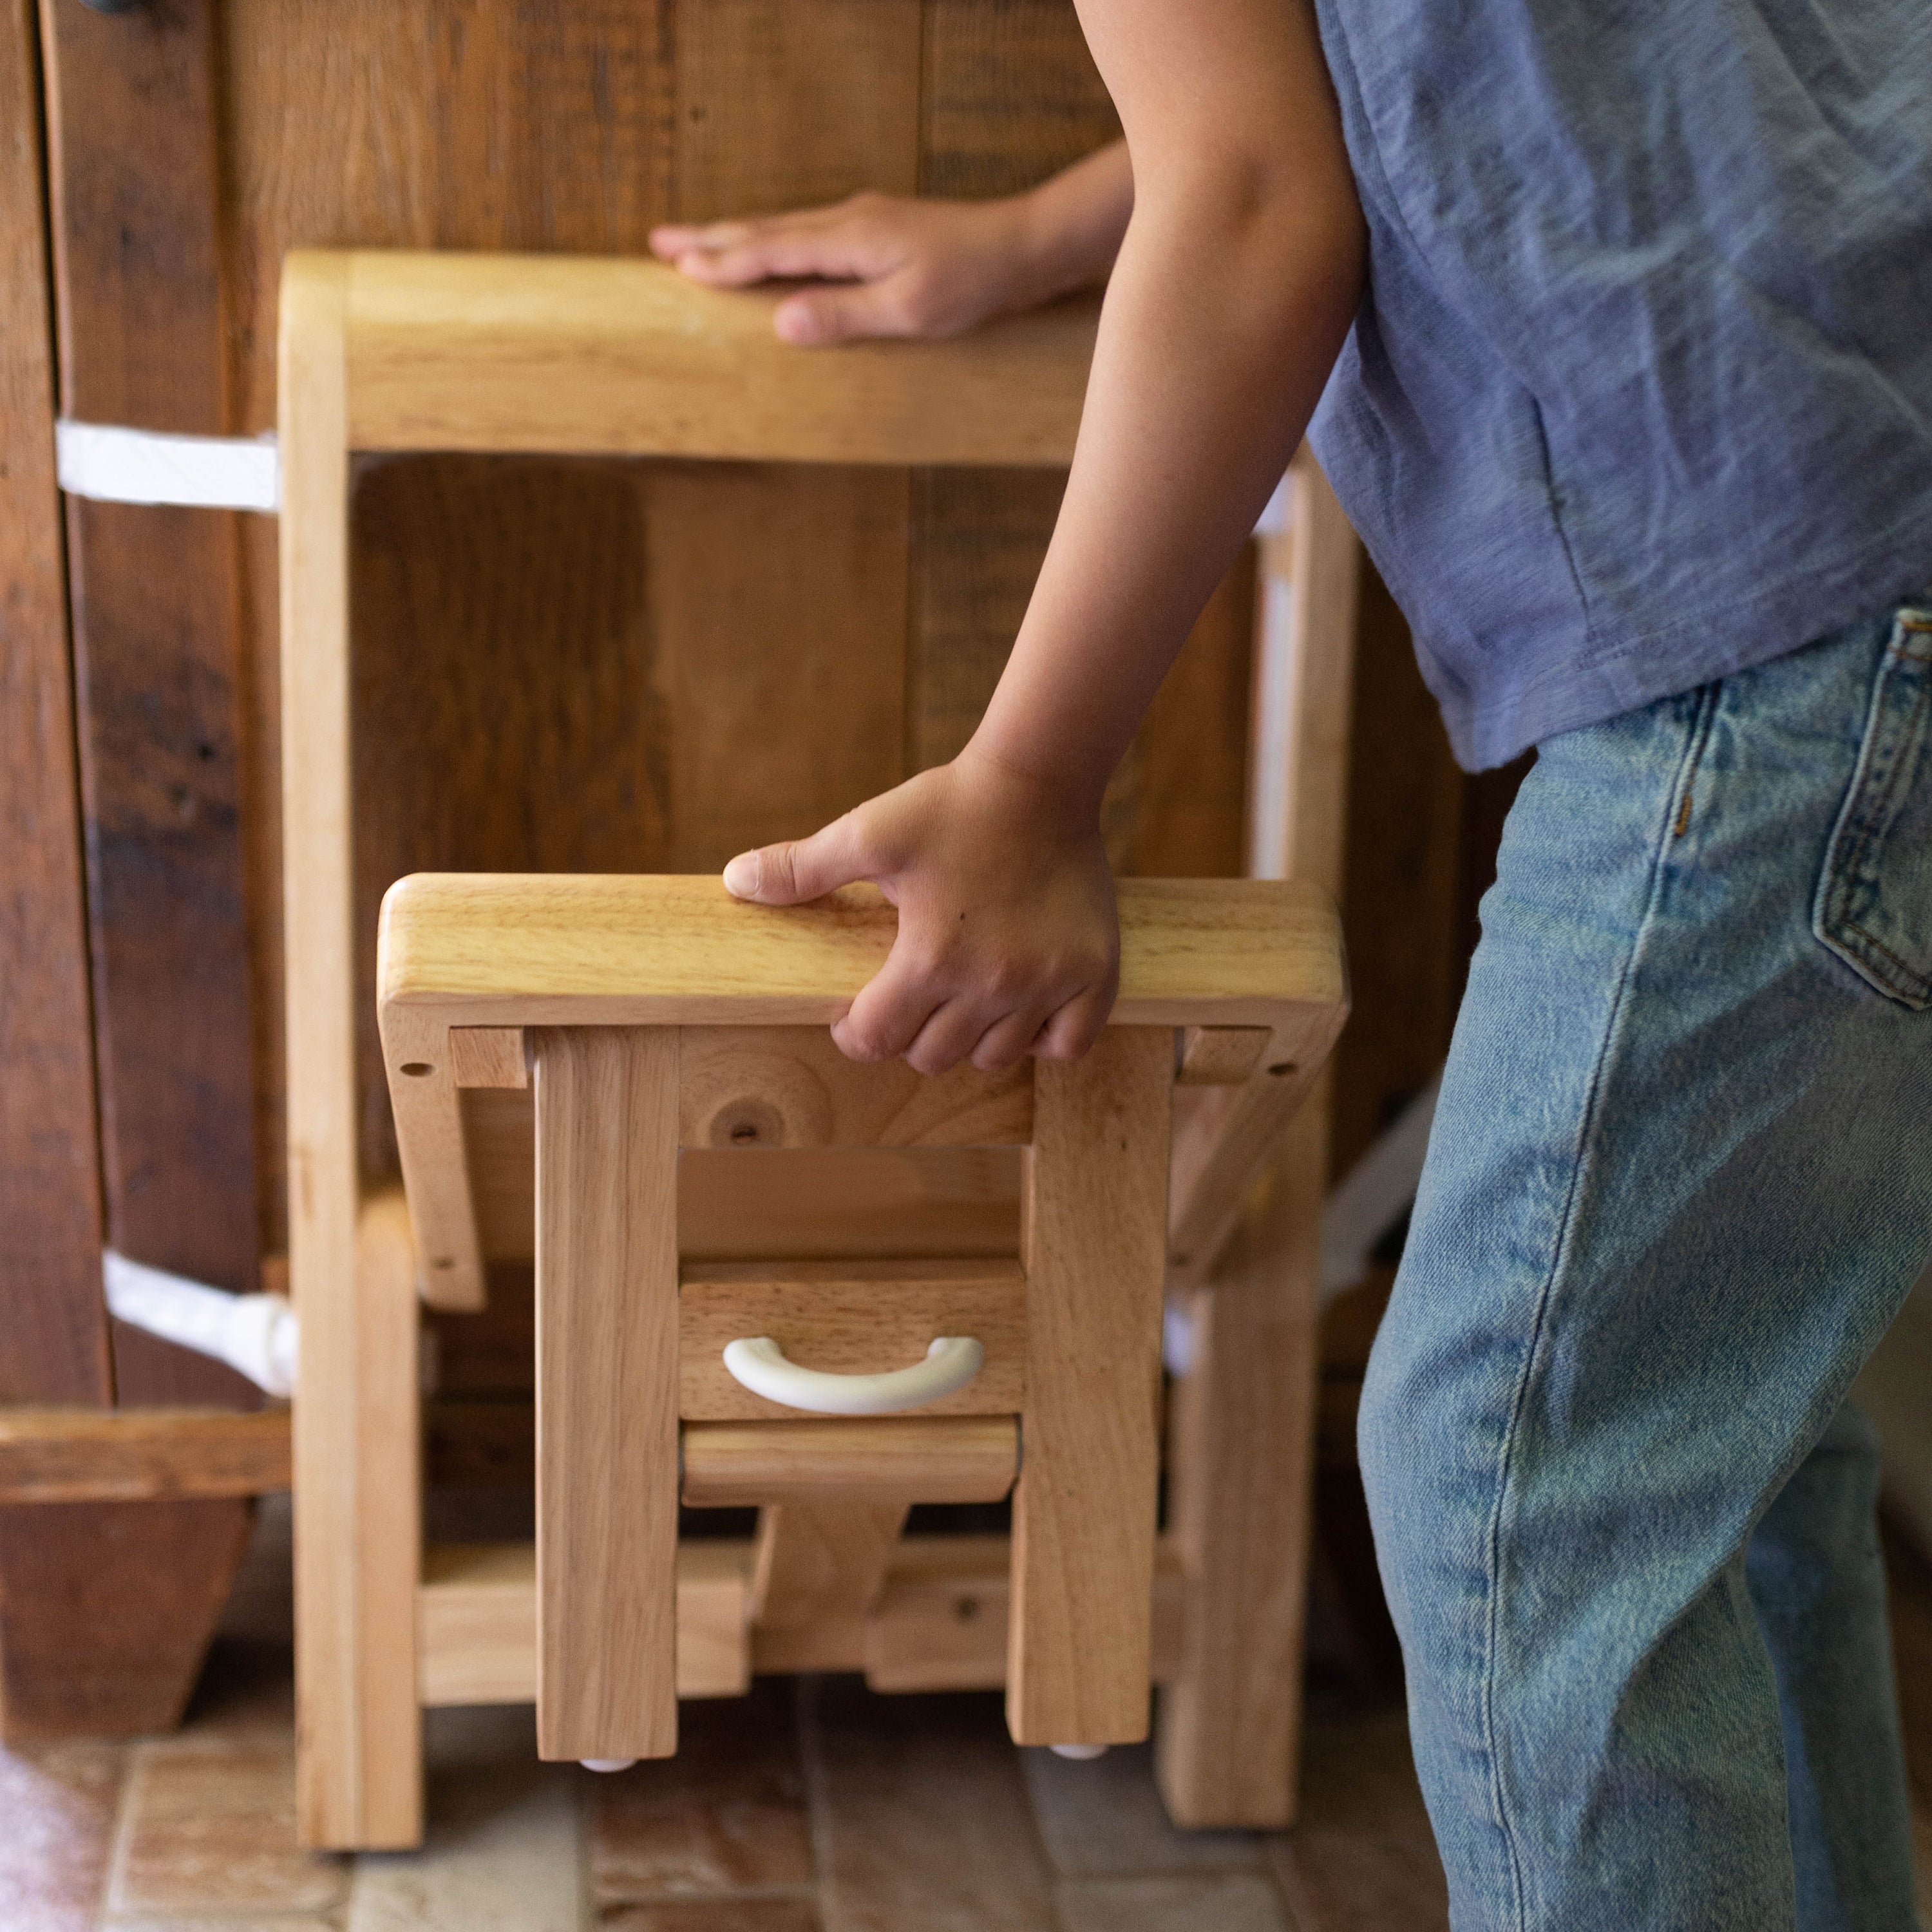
{"type": "Point", "coordinates": [1679, 1183]}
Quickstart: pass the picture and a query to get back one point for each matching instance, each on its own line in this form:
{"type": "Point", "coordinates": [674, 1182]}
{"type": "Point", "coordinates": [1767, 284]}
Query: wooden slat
{"type": "Point", "coordinates": [817, 1570]}
{"type": "Point", "coordinates": [907, 1458]}
{"type": "Point", "coordinates": [495, 352]}
{"type": "Point", "coordinates": [940, 1622]}
{"type": "Point", "coordinates": [92, 1455]}
{"type": "Point", "coordinates": [484, 950]}
{"type": "Point", "coordinates": [850, 1318]}
{"type": "Point", "coordinates": [144, 341]}
{"type": "Point", "coordinates": [53, 1343]}
{"type": "Point", "coordinates": [1084, 1508]}
{"type": "Point", "coordinates": [487, 1056]}
{"type": "Point", "coordinates": [771, 1086]}
{"type": "Point", "coordinates": [477, 1622]}
{"type": "Point", "coordinates": [358, 1531]}
{"type": "Point", "coordinates": [607, 1392]}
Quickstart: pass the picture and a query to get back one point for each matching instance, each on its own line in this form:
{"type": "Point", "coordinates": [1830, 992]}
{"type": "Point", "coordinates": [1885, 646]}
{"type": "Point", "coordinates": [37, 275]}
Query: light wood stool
{"type": "Point", "coordinates": [389, 352]}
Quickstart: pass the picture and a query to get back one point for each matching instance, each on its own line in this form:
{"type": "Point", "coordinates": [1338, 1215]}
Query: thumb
{"type": "Point", "coordinates": [798, 869]}
{"type": "Point", "coordinates": [815, 316]}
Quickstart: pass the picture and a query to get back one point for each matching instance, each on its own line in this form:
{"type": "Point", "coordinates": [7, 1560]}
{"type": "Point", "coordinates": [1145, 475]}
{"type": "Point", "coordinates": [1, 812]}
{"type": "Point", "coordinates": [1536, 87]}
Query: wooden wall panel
{"type": "Point", "coordinates": [159, 662]}
{"type": "Point", "coordinates": [53, 1342]}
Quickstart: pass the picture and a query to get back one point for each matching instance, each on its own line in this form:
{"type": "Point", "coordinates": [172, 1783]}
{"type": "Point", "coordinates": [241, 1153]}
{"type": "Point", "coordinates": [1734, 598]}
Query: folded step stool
{"type": "Point", "coordinates": [650, 1017]}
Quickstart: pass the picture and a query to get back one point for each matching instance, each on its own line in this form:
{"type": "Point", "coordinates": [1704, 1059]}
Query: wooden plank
{"type": "Point", "coordinates": [1011, 96]}
{"type": "Point", "coordinates": [92, 1455]}
{"type": "Point", "coordinates": [477, 1622]}
{"type": "Point", "coordinates": [748, 1087]}
{"type": "Point", "coordinates": [607, 1392]}
{"type": "Point", "coordinates": [53, 1344]}
{"type": "Point", "coordinates": [108, 1610]}
{"type": "Point", "coordinates": [1084, 1508]}
{"type": "Point", "coordinates": [781, 106]}
{"type": "Point", "coordinates": [910, 1460]}
{"type": "Point", "coordinates": [559, 354]}
{"type": "Point", "coordinates": [359, 1532]}
{"type": "Point", "coordinates": [1219, 1056]}
{"type": "Point", "coordinates": [940, 1622]}
{"type": "Point", "coordinates": [482, 950]}
{"type": "Point", "coordinates": [817, 1569]}
{"type": "Point", "coordinates": [488, 1057]}
{"type": "Point", "coordinates": [830, 542]}
{"type": "Point", "coordinates": [850, 1318]}
{"type": "Point", "coordinates": [1241, 1464]}
{"type": "Point", "coordinates": [813, 1203]}
{"type": "Point", "coordinates": [131, 125]}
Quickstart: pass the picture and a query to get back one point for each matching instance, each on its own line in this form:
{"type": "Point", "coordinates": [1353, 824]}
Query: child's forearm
{"type": "Point", "coordinates": [1067, 231]}
{"type": "Point", "coordinates": [1241, 272]}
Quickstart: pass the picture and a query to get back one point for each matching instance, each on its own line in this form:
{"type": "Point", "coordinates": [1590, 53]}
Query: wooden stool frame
{"type": "Point", "coordinates": [397, 351]}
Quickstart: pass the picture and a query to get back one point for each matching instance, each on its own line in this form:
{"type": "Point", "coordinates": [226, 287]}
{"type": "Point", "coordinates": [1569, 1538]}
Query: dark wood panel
{"type": "Point", "coordinates": [53, 1342]}
{"type": "Point", "coordinates": [157, 656]}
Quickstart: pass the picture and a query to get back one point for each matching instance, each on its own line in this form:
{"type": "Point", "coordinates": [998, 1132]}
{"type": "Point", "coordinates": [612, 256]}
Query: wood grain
{"type": "Point", "coordinates": [477, 1620]}
{"type": "Point", "coordinates": [850, 1318]}
{"type": "Point", "coordinates": [940, 1622]}
{"type": "Point", "coordinates": [487, 1056]}
{"type": "Point", "coordinates": [92, 1455]}
{"type": "Point", "coordinates": [817, 1569]}
{"type": "Point", "coordinates": [158, 666]}
{"type": "Point", "coordinates": [1084, 1508]}
{"type": "Point", "coordinates": [1220, 1056]}
{"type": "Point", "coordinates": [53, 1345]}
{"type": "Point", "coordinates": [904, 1459]}
{"type": "Point", "coordinates": [607, 1392]}
{"type": "Point", "coordinates": [790, 1086]}
{"type": "Point", "coordinates": [554, 353]}
{"type": "Point", "coordinates": [1242, 1463]}
{"type": "Point", "coordinates": [359, 1535]}
{"type": "Point", "coordinates": [482, 950]}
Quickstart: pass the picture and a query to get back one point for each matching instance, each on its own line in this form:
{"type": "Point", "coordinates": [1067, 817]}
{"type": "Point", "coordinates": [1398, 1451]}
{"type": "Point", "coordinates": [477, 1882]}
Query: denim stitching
{"type": "Point", "coordinates": [1687, 769]}
{"type": "Point", "coordinates": [1863, 823]}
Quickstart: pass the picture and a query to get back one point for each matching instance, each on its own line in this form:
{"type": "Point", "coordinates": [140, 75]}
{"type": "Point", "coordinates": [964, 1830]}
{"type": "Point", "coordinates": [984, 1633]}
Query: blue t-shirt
{"type": "Point", "coordinates": [1642, 392]}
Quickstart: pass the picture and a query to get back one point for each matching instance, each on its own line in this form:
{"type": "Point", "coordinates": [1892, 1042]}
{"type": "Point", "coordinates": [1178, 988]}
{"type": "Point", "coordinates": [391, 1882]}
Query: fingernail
{"type": "Point", "coordinates": [741, 876]}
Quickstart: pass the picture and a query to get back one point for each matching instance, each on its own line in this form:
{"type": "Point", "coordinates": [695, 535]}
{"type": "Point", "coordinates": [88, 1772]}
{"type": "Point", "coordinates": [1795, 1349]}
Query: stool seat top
{"type": "Point", "coordinates": [472, 949]}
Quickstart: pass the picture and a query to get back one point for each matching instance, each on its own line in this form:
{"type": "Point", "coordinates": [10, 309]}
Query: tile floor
{"type": "Point", "coordinates": [811, 1806]}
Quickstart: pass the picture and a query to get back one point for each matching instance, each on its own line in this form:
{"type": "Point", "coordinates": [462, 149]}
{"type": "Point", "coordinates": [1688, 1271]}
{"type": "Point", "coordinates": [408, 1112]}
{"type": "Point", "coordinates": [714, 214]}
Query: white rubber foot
{"type": "Point", "coordinates": [1082, 1751]}
{"type": "Point", "coordinates": [607, 1763]}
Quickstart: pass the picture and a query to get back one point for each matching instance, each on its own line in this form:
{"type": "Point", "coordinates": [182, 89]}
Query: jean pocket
{"type": "Point", "coordinates": [1874, 907]}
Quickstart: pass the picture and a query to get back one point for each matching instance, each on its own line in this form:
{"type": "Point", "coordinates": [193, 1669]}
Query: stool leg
{"type": "Point", "coordinates": [1094, 1246]}
{"type": "Point", "coordinates": [1228, 1747]}
{"type": "Point", "coordinates": [606, 1391]}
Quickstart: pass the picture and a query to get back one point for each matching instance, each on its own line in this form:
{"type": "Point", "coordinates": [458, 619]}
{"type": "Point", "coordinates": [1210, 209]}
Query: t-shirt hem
{"type": "Point", "coordinates": [1626, 673]}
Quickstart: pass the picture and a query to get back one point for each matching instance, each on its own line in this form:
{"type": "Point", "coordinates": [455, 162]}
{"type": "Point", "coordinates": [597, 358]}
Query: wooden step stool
{"type": "Point", "coordinates": [652, 1015]}
{"type": "Point", "coordinates": [396, 353]}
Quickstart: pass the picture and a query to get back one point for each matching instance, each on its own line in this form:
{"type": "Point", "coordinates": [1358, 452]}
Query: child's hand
{"type": "Point", "coordinates": [907, 268]}
{"type": "Point", "coordinates": [1008, 942]}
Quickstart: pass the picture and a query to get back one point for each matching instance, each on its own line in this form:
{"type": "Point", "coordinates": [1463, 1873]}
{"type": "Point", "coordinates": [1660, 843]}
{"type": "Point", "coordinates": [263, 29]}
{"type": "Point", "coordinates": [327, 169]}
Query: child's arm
{"type": "Point", "coordinates": [1241, 272]}
{"type": "Point", "coordinates": [920, 268]}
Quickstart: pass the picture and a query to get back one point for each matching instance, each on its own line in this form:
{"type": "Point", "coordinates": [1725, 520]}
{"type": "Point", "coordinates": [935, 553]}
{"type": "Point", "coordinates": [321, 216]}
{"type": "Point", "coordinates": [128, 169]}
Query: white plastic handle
{"type": "Point", "coordinates": [758, 1363]}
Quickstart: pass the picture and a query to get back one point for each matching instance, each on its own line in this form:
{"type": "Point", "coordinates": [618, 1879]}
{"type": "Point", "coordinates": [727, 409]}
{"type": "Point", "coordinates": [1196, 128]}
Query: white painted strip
{"type": "Point", "coordinates": [1273, 731]}
{"type": "Point", "coordinates": [256, 1334]}
{"type": "Point", "coordinates": [109, 464]}
{"type": "Point", "coordinates": [1376, 1191]}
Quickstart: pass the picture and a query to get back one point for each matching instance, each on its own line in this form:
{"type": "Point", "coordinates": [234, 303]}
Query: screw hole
{"type": "Point", "coordinates": [443, 1261]}
{"type": "Point", "coordinates": [965, 1609]}
{"type": "Point", "coordinates": [1285, 1067]}
{"type": "Point", "coordinates": [744, 1134]}
{"type": "Point", "coordinates": [416, 1069]}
